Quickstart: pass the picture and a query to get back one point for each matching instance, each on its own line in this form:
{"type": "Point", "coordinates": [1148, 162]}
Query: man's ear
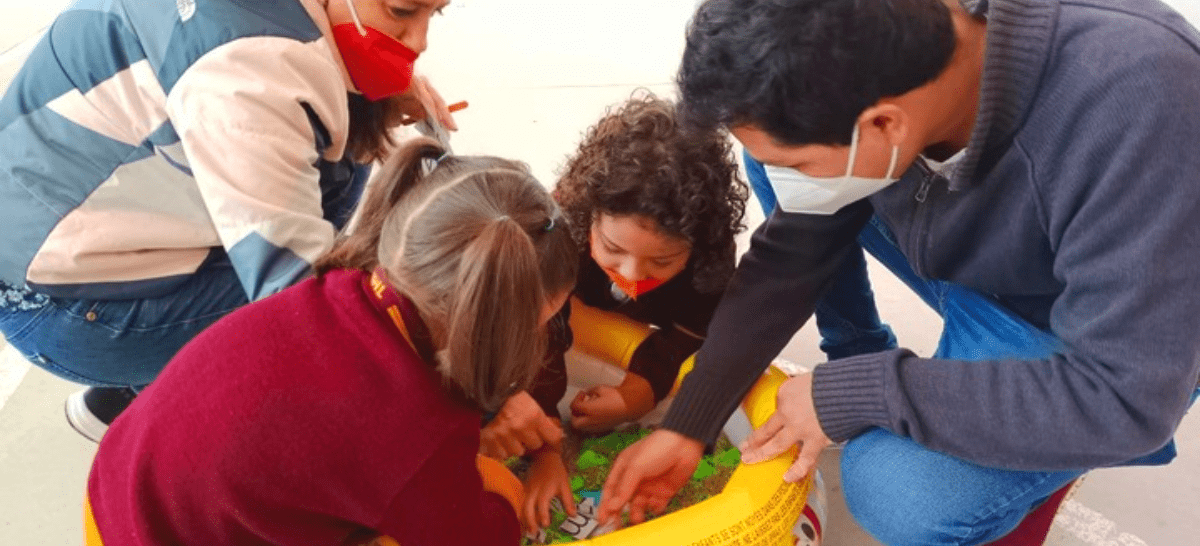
{"type": "Point", "coordinates": [887, 118]}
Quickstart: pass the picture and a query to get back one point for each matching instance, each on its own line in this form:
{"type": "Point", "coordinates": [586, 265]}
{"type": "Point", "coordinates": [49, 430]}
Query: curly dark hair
{"type": "Point", "coordinates": [803, 70]}
{"type": "Point", "coordinates": [639, 160]}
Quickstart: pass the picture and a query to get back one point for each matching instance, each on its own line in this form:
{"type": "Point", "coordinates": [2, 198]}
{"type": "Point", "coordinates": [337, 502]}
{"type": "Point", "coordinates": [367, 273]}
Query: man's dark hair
{"type": "Point", "coordinates": [803, 70]}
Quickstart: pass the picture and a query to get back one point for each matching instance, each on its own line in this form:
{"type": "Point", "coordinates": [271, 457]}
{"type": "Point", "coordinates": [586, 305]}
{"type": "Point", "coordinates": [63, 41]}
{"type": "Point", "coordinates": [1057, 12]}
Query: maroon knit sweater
{"type": "Point", "coordinates": [304, 418]}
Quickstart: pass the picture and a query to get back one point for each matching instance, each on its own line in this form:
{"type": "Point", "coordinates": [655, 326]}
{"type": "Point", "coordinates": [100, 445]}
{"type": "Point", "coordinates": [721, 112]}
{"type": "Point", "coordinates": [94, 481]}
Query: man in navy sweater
{"type": "Point", "coordinates": [1028, 168]}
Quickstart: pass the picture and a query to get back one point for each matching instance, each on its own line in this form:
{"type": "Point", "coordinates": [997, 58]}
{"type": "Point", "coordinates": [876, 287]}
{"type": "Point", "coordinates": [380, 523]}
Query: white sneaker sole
{"type": "Point", "coordinates": [81, 419]}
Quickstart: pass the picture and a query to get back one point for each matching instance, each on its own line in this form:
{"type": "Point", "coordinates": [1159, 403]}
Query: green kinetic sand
{"type": "Point", "coordinates": [590, 459]}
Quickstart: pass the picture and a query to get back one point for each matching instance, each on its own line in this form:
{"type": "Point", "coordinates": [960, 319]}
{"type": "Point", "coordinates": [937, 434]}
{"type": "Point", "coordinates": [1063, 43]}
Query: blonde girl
{"type": "Point", "coordinates": [348, 406]}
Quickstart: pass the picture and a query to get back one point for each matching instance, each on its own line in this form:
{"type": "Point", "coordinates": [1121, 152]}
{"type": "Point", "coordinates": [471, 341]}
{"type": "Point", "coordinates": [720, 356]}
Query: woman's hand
{"type": "Point", "coordinates": [547, 479]}
{"type": "Point", "coordinates": [421, 100]}
{"type": "Point", "coordinates": [520, 427]}
{"type": "Point", "coordinates": [602, 408]}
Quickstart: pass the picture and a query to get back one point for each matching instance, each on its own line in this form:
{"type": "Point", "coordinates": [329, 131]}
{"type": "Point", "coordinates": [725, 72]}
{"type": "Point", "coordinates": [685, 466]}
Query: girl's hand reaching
{"type": "Point", "coordinates": [521, 426]}
{"type": "Point", "coordinates": [598, 409]}
{"type": "Point", "coordinates": [602, 408]}
{"type": "Point", "coordinates": [547, 479]}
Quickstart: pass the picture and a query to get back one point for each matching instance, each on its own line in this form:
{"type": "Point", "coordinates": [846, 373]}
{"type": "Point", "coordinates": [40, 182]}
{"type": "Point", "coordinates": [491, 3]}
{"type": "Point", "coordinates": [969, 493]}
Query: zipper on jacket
{"type": "Point", "coordinates": [920, 222]}
{"type": "Point", "coordinates": [923, 189]}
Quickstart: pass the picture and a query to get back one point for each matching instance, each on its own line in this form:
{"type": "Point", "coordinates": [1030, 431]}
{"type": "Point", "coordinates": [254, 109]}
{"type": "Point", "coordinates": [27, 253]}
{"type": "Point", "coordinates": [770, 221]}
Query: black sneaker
{"type": "Point", "coordinates": [91, 410]}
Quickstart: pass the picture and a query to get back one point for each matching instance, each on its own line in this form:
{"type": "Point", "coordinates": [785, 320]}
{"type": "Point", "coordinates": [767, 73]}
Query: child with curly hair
{"type": "Point", "coordinates": [654, 208]}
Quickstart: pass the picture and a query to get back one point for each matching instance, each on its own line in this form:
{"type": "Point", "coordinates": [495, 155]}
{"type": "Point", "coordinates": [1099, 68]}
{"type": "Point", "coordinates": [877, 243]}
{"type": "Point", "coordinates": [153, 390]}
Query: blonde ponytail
{"type": "Point", "coordinates": [479, 247]}
{"type": "Point", "coordinates": [489, 344]}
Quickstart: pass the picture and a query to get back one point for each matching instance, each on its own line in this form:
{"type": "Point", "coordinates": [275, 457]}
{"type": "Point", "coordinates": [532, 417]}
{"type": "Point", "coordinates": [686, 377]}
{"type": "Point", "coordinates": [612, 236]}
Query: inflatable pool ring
{"type": "Point", "coordinates": [756, 506]}
{"type": "Point", "coordinates": [612, 337]}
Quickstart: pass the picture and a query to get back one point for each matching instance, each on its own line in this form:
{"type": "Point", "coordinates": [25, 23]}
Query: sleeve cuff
{"type": "Point", "coordinates": [849, 396]}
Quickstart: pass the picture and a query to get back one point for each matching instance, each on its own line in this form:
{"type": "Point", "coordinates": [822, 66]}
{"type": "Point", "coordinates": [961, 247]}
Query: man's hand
{"type": "Point", "coordinates": [520, 426]}
{"type": "Point", "coordinates": [794, 422]}
{"type": "Point", "coordinates": [648, 473]}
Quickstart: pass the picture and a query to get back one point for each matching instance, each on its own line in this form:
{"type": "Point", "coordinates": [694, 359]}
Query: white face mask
{"type": "Point", "coordinates": [799, 192]}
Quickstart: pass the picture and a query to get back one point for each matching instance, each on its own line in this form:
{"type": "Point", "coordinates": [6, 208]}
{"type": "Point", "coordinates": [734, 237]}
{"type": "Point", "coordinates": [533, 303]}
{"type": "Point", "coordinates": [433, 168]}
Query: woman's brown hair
{"type": "Point", "coordinates": [639, 160]}
{"type": "Point", "coordinates": [479, 247]}
{"type": "Point", "coordinates": [371, 123]}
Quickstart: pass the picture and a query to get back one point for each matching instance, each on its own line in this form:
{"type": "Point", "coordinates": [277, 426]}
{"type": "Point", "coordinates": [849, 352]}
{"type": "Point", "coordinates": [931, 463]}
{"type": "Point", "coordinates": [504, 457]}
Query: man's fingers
{"type": "Point", "coordinates": [805, 461]}
{"type": "Point", "coordinates": [657, 504]}
{"type": "Point", "coordinates": [782, 441]}
{"type": "Point", "coordinates": [797, 471]}
{"type": "Point", "coordinates": [644, 505]}
{"type": "Point", "coordinates": [753, 447]}
{"type": "Point", "coordinates": [490, 447]}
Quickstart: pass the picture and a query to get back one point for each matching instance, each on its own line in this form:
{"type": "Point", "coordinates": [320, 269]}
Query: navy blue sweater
{"type": "Point", "coordinates": [1077, 205]}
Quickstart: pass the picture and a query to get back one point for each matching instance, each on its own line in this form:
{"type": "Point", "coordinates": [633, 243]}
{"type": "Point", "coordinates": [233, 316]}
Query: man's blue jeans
{"type": "Point", "coordinates": [904, 493]}
{"type": "Point", "coordinates": [846, 315]}
{"type": "Point", "coordinates": [117, 343]}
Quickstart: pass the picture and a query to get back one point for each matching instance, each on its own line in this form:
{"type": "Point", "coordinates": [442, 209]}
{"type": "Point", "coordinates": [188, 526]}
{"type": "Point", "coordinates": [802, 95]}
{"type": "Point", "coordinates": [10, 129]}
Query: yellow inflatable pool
{"type": "Point", "coordinates": [756, 508]}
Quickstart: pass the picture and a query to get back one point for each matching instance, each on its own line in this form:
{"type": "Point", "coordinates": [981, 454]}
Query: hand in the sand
{"type": "Point", "coordinates": [647, 474]}
{"type": "Point", "coordinates": [547, 479]}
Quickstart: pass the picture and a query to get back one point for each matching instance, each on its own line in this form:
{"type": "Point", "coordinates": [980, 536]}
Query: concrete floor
{"type": "Point", "coordinates": [536, 74]}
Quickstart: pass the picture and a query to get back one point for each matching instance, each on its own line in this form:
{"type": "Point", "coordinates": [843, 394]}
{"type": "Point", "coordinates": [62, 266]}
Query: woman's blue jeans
{"type": "Point", "coordinates": [903, 493]}
{"type": "Point", "coordinates": [126, 343]}
{"type": "Point", "coordinates": [117, 343]}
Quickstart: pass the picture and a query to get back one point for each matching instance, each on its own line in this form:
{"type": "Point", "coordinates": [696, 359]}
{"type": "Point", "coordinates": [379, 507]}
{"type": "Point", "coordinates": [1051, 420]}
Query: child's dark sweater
{"type": "Point", "coordinates": [678, 311]}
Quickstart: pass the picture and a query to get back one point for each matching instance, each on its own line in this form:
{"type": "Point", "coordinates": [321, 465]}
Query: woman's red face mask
{"type": "Point", "coordinates": [379, 65]}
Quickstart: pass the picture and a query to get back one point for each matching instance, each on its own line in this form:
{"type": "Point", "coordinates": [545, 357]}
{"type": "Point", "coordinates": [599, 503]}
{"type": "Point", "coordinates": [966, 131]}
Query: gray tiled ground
{"type": "Point", "coordinates": [537, 73]}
